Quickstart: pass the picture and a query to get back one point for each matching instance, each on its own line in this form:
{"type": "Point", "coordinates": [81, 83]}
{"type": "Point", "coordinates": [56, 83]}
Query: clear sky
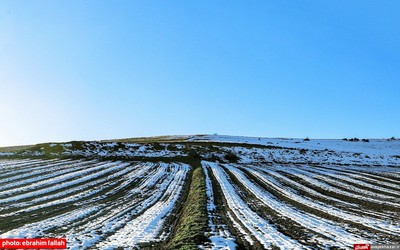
{"type": "Point", "coordinates": [82, 70]}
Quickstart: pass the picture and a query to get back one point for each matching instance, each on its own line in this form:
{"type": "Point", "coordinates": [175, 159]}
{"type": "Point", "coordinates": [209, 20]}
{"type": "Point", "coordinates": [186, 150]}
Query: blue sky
{"type": "Point", "coordinates": [82, 70]}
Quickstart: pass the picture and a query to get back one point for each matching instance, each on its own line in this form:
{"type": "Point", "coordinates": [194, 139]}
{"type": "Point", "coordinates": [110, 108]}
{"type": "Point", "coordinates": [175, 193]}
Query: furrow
{"type": "Point", "coordinates": [375, 177]}
{"type": "Point", "coordinates": [63, 181]}
{"type": "Point", "coordinates": [311, 194]}
{"type": "Point", "coordinates": [30, 170]}
{"type": "Point", "coordinates": [325, 227]}
{"type": "Point", "coordinates": [119, 214]}
{"type": "Point", "coordinates": [264, 232]}
{"type": "Point", "coordinates": [365, 187]}
{"type": "Point", "coordinates": [373, 223]}
{"type": "Point", "coordinates": [42, 228]}
{"type": "Point", "coordinates": [148, 225]}
{"type": "Point", "coordinates": [81, 191]}
{"type": "Point", "coordinates": [44, 173]}
{"type": "Point", "coordinates": [14, 166]}
{"type": "Point", "coordinates": [220, 237]}
{"type": "Point", "coordinates": [312, 179]}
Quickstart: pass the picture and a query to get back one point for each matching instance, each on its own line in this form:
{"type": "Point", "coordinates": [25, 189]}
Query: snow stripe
{"type": "Point", "coordinates": [352, 178]}
{"type": "Point", "coordinates": [264, 232]}
{"type": "Point", "coordinates": [220, 237]}
{"type": "Point", "coordinates": [325, 227]}
{"type": "Point", "coordinates": [29, 170]}
{"type": "Point", "coordinates": [369, 222]}
{"type": "Point", "coordinates": [118, 214]}
{"type": "Point", "coordinates": [53, 170]}
{"type": "Point", "coordinates": [312, 179]}
{"type": "Point", "coordinates": [355, 208]}
{"type": "Point", "coordinates": [78, 193]}
{"type": "Point", "coordinates": [147, 226]}
{"type": "Point", "coordinates": [53, 186]}
{"type": "Point", "coordinates": [39, 229]}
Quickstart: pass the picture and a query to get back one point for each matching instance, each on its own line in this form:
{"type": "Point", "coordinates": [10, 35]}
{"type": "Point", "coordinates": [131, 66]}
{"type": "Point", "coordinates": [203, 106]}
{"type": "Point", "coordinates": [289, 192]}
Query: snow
{"type": "Point", "coordinates": [136, 217]}
{"type": "Point", "coordinates": [325, 174]}
{"type": "Point", "coordinates": [220, 237]}
{"type": "Point", "coordinates": [222, 241]}
{"type": "Point", "coordinates": [360, 174]}
{"type": "Point", "coordinates": [126, 150]}
{"type": "Point", "coordinates": [6, 153]}
{"type": "Point", "coordinates": [325, 227]}
{"type": "Point", "coordinates": [147, 226]}
{"type": "Point", "coordinates": [123, 204]}
{"type": "Point", "coordinates": [373, 147]}
{"type": "Point", "coordinates": [302, 187]}
{"type": "Point", "coordinates": [323, 182]}
{"type": "Point", "coordinates": [58, 182]}
{"type": "Point", "coordinates": [39, 229]}
{"type": "Point", "coordinates": [68, 196]}
{"type": "Point", "coordinates": [15, 164]}
{"type": "Point", "coordinates": [240, 228]}
{"type": "Point", "coordinates": [369, 222]}
{"type": "Point", "coordinates": [264, 232]}
{"type": "Point", "coordinates": [120, 218]}
{"type": "Point", "coordinates": [40, 173]}
{"type": "Point", "coordinates": [23, 167]}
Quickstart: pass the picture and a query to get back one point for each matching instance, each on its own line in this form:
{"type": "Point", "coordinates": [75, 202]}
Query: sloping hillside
{"type": "Point", "coordinates": [204, 191]}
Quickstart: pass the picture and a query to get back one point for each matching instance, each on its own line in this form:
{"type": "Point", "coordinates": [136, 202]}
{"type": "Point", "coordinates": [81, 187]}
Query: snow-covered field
{"type": "Point", "coordinates": [285, 193]}
{"type": "Point", "coordinates": [373, 146]}
{"type": "Point", "coordinates": [92, 204]}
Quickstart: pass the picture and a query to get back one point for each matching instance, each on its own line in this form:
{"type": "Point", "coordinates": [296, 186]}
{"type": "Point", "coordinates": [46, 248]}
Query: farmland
{"type": "Point", "coordinates": [208, 192]}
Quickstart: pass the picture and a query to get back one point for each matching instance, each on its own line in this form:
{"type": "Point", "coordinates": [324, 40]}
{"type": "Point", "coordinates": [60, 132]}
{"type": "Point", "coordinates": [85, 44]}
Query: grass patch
{"type": "Point", "coordinates": [192, 224]}
{"type": "Point", "coordinates": [15, 148]}
{"type": "Point", "coordinates": [152, 139]}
